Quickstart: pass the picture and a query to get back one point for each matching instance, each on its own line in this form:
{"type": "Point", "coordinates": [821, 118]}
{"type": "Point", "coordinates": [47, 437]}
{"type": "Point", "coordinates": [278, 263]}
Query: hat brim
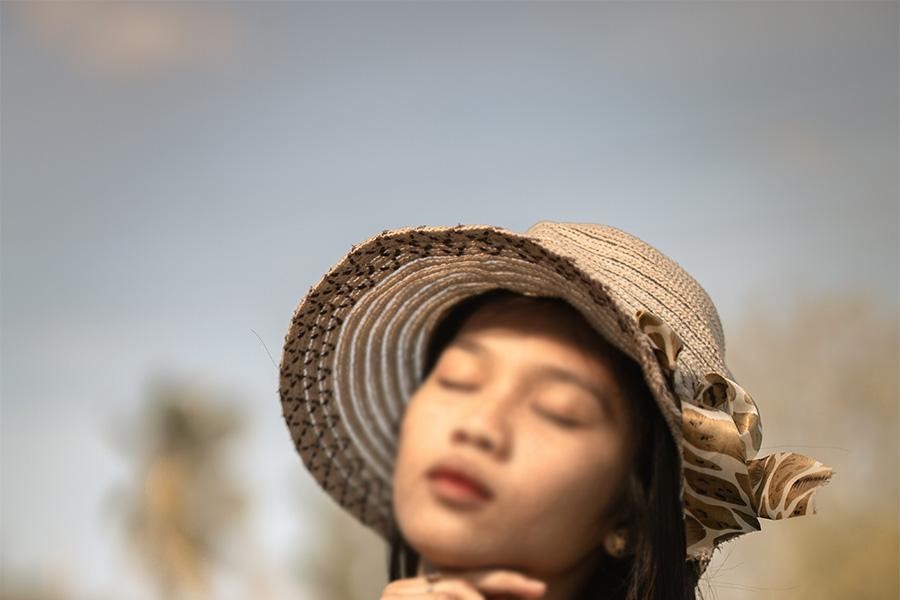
{"type": "Point", "coordinates": [355, 349]}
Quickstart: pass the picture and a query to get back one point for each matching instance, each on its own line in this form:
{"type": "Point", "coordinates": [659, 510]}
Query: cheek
{"type": "Point", "coordinates": [405, 466]}
{"type": "Point", "coordinates": [571, 487]}
{"type": "Point", "coordinates": [405, 460]}
{"type": "Point", "coordinates": [413, 457]}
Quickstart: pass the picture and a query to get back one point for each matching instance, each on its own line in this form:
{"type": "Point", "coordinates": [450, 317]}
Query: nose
{"type": "Point", "coordinates": [485, 426]}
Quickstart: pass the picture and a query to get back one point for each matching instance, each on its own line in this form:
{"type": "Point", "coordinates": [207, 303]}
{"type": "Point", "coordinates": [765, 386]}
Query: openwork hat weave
{"type": "Point", "coordinates": [356, 345]}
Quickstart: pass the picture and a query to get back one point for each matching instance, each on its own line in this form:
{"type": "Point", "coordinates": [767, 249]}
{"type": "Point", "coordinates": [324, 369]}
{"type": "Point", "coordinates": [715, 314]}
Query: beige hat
{"type": "Point", "coordinates": [356, 345]}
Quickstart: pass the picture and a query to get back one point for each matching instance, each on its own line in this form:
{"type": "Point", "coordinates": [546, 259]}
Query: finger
{"type": "Point", "coordinates": [496, 582]}
{"type": "Point", "coordinates": [458, 588]}
{"type": "Point", "coordinates": [422, 595]}
{"type": "Point", "coordinates": [445, 594]}
{"type": "Point", "coordinates": [416, 587]}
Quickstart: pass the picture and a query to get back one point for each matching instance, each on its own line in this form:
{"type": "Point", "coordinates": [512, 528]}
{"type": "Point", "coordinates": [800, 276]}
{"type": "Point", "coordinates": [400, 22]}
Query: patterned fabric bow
{"type": "Point", "coordinates": [725, 487]}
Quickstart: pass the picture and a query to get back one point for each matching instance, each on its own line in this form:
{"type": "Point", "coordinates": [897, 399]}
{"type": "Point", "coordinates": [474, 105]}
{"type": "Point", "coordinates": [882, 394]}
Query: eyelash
{"type": "Point", "coordinates": [562, 421]}
{"type": "Point", "coordinates": [455, 386]}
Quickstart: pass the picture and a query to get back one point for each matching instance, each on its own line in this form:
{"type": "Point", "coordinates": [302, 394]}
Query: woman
{"type": "Point", "coordinates": [523, 386]}
{"type": "Point", "coordinates": [546, 415]}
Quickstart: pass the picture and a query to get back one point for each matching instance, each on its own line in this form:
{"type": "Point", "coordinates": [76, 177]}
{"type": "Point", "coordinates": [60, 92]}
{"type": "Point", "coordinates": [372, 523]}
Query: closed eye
{"type": "Point", "coordinates": [469, 387]}
{"type": "Point", "coordinates": [564, 421]}
{"type": "Point", "coordinates": [454, 385]}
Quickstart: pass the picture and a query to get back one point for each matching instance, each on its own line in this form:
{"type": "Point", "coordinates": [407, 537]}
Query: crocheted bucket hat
{"type": "Point", "coordinates": [354, 353]}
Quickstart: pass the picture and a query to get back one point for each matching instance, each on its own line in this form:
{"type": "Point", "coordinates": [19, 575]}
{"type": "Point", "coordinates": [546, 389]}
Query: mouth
{"type": "Point", "coordinates": [458, 483]}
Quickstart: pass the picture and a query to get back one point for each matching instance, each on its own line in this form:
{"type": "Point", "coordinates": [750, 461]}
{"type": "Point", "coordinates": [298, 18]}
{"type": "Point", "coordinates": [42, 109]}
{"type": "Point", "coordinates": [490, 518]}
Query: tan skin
{"type": "Point", "coordinates": [554, 454]}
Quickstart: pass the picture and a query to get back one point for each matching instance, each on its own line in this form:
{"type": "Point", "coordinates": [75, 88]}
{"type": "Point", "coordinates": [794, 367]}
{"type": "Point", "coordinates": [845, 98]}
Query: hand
{"type": "Point", "coordinates": [476, 584]}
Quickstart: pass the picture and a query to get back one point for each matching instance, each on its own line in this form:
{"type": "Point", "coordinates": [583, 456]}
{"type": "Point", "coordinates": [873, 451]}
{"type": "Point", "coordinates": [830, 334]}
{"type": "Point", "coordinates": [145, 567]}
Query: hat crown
{"type": "Point", "coordinates": [640, 276]}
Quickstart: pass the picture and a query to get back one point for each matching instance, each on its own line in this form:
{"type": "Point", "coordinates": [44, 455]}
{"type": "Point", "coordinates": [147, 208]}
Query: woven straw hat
{"type": "Point", "coordinates": [356, 344]}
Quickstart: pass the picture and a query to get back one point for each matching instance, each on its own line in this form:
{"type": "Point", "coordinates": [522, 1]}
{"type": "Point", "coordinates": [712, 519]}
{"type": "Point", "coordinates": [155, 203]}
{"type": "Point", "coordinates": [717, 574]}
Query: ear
{"type": "Point", "coordinates": [619, 516]}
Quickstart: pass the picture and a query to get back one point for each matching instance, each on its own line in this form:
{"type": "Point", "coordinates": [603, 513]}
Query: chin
{"type": "Point", "coordinates": [462, 556]}
{"type": "Point", "coordinates": [451, 543]}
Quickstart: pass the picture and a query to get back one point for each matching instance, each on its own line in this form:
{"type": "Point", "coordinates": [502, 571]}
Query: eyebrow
{"type": "Point", "coordinates": [550, 371]}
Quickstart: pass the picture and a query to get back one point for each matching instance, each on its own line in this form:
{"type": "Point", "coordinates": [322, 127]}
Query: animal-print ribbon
{"type": "Point", "coordinates": [725, 487]}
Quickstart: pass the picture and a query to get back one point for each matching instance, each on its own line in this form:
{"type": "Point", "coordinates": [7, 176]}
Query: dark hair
{"type": "Point", "coordinates": [656, 567]}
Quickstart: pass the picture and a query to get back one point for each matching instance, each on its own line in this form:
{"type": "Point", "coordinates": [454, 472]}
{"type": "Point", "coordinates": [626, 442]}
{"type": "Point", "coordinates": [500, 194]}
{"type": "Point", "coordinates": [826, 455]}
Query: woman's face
{"type": "Point", "coordinates": [540, 419]}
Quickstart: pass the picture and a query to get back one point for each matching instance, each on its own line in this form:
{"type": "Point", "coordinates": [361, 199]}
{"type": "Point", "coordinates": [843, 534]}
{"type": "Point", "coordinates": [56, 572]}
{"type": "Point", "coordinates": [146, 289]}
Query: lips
{"type": "Point", "coordinates": [462, 474]}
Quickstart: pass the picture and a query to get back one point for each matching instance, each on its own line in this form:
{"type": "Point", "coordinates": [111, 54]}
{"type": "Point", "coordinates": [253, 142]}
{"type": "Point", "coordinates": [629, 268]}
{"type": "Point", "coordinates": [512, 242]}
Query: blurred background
{"type": "Point", "coordinates": [176, 175]}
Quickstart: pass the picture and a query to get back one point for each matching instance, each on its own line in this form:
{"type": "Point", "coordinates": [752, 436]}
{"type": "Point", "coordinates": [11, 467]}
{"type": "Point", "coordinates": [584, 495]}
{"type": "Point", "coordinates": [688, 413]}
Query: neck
{"type": "Point", "coordinates": [565, 585]}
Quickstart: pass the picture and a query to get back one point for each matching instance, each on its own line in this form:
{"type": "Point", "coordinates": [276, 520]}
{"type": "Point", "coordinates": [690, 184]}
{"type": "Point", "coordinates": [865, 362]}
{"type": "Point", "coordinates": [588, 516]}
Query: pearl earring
{"type": "Point", "coordinates": [614, 542]}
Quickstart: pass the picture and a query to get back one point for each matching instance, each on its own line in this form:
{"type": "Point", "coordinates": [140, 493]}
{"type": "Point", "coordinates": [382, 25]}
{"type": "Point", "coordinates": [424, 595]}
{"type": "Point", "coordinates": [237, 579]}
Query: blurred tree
{"type": "Point", "coordinates": [341, 559]}
{"type": "Point", "coordinates": [17, 587]}
{"type": "Point", "coordinates": [184, 501]}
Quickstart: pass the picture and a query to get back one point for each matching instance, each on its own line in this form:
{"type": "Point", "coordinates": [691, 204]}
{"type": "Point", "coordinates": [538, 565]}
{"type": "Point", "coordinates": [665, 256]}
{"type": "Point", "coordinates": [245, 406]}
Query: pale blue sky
{"type": "Point", "coordinates": [175, 175]}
